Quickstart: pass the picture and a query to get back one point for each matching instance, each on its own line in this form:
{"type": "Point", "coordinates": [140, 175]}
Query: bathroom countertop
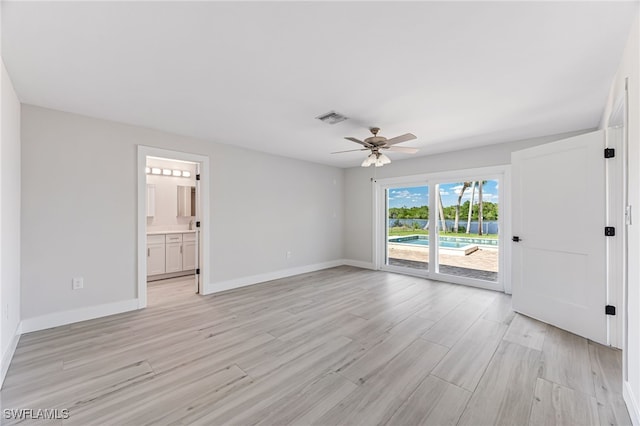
{"type": "Point", "coordinates": [186, 231]}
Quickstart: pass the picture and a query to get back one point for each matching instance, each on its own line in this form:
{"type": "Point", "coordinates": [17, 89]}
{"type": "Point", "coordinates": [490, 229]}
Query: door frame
{"type": "Point", "coordinates": [616, 247]}
{"type": "Point", "coordinates": [617, 169]}
{"type": "Point", "coordinates": [204, 240]}
{"type": "Point", "coordinates": [501, 173]}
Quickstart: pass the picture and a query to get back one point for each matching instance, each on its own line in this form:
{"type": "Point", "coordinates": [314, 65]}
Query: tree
{"type": "Point", "coordinates": [456, 220]}
{"type": "Point", "coordinates": [473, 193]}
{"type": "Point", "coordinates": [443, 222]}
{"type": "Point", "coordinates": [480, 183]}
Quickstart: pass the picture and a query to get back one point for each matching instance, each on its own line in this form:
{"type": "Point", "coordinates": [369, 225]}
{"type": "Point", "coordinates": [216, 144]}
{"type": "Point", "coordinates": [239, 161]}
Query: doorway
{"type": "Point", "coordinates": [172, 232]}
{"type": "Point", "coordinates": [172, 215]}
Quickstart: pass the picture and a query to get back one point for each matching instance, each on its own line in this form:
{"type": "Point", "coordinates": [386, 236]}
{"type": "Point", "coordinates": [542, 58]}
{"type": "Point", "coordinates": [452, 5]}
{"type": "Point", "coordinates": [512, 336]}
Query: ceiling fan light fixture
{"type": "Point", "coordinates": [376, 143]}
{"type": "Point", "coordinates": [384, 159]}
{"type": "Point", "coordinates": [371, 159]}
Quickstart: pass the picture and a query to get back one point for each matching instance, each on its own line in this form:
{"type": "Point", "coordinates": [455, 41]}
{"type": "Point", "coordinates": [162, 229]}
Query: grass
{"type": "Point", "coordinates": [406, 231]}
{"type": "Point", "coordinates": [401, 231]}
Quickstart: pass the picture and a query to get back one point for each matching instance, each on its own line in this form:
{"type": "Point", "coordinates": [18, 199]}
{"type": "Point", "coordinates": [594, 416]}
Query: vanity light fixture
{"type": "Point", "coordinates": [167, 172]}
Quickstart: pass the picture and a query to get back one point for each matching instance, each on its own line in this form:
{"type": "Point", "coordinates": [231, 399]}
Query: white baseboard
{"type": "Point", "coordinates": [358, 264]}
{"type": "Point", "coordinates": [82, 314]}
{"type": "Point", "coordinates": [632, 403]}
{"type": "Point", "coordinates": [76, 315]}
{"type": "Point", "coordinates": [268, 276]}
{"type": "Point", "coordinates": [7, 356]}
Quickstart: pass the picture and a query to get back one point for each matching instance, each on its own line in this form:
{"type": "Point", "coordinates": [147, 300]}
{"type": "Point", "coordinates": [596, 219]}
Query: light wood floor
{"type": "Point", "coordinates": [340, 346]}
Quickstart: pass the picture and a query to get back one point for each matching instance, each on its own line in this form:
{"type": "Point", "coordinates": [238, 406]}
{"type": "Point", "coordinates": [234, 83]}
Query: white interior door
{"type": "Point", "coordinates": [559, 264]}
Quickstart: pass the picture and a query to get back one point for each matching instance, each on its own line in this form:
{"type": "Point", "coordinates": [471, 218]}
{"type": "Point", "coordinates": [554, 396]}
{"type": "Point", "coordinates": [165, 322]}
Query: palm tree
{"type": "Point", "coordinates": [473, 193]}
{"type": "Point", "coordinates": [443, 223]}
{"type": "Point", "coordinates": [456, 221]}
{"type": "Point", "coordinates": [480, 183]}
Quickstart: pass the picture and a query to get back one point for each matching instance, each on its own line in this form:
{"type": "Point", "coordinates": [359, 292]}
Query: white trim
{"type": "Point", "coordinates": [504, 244]}
{"type": "Point", "coordinates": [269, 276]}
{"type": "Point", "coordinates": [358, 264]}
{"type": "Point", "coordinates": [76, 315]}
{"type": "Point", "coordinates": [7, 356]}
{"type": "Point", "coordinates": [143, 153]}
{"type": "Point", "coordinates": [632, 404]}
{"type": "Point", "coordinates": [615, 202]}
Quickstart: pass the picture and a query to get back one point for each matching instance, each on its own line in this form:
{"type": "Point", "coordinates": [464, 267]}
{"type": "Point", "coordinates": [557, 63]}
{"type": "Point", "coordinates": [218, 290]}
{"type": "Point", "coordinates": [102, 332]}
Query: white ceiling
{"type": "Point", "coordinates": [456, 74]}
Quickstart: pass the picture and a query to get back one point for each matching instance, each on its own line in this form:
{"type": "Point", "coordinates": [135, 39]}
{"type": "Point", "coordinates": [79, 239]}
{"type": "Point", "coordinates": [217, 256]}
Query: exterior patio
{"type": "Point", "coordinates": [481, 264]}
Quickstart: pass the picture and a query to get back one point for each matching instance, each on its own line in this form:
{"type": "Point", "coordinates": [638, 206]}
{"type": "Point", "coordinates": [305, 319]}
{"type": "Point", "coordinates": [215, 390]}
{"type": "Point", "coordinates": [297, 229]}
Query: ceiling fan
{"type": "Point", "coordinates": [376, 143]}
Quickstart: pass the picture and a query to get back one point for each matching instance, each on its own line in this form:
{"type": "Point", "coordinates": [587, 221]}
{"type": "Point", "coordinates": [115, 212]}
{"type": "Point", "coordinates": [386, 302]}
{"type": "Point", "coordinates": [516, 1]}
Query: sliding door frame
{"type": "Point", "coordinates": [500, 173]}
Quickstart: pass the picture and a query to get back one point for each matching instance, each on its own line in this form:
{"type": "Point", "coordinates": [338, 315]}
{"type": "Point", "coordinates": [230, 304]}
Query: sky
{"type": "Point", "coordinates": [417, 195]}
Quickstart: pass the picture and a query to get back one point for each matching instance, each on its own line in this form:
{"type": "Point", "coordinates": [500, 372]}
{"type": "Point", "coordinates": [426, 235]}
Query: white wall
{"type": "Point", "coordinates": [166, 189]}
{"type": "Point", "coordinates": [358, 186]}
{"type": "Point", "coordinates": [79, 210]}
{"type": "Point", "coordinates": [9, 221]}
{"type": "Point", "coordinates": [630, 68]}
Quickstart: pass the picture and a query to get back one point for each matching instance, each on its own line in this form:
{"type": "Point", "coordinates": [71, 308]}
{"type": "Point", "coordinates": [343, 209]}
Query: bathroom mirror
{"type": "Point", "coordinates": [186, 200]}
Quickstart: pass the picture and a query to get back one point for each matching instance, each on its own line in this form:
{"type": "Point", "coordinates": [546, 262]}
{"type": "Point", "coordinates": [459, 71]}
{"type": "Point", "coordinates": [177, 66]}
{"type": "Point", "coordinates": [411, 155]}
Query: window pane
{"type": "Point", "coordinates": [467, 223]}
{"type": "Point", "coordinates": [408, 227]}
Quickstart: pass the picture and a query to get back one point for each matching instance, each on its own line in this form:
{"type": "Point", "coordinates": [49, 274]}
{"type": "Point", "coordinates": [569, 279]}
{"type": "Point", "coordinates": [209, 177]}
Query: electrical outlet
{"type": "Point", "coordinates": [289, 254]}
{"type": "Point", "coordinates": [77, 283]}
{"type": "Point", "coordinates": [7, 311]}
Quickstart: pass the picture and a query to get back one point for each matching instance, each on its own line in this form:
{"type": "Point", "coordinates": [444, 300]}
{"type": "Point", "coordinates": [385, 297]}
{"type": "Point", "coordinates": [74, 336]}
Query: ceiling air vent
{"type": "Point", "coordinates": [332, 117]}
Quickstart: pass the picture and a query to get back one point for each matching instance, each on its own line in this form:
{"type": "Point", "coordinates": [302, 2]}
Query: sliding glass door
{"type": "Point", "coordinates": [443, 226]}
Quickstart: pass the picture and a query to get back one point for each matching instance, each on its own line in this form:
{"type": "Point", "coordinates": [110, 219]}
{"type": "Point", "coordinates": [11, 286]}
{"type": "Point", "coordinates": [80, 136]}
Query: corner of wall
{"type": "Point", "coordinates": [10, 220]}
{"type": "Point", "coordinates": [7, 356]}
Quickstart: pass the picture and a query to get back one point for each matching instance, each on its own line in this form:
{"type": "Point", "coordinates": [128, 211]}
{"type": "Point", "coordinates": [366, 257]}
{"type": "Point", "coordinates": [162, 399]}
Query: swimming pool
{"type": "Point", "coordinates": [423, 240]}
{"type": "Point", "coordinates": [446, 242]}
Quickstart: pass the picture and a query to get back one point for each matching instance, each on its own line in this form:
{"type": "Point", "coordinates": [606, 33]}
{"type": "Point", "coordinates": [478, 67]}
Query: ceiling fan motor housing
{"type": "Point", "coordinates": [376, 140]}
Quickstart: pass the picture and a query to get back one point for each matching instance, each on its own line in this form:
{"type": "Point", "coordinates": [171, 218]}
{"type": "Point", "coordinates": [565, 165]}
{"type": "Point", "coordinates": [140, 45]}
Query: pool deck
{"type": "Point", "coordinates": [481, 264]}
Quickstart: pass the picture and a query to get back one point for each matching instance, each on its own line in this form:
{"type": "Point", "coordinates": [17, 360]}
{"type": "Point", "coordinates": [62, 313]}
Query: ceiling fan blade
{"type": "Point", "coordinates": [351, 150]}
{"type": "Point", "coordinates": [349, 138]}
{"type": "Point", "coordinates": [404, 149]}
{"type": "Point", "coordinates": [401, 138]}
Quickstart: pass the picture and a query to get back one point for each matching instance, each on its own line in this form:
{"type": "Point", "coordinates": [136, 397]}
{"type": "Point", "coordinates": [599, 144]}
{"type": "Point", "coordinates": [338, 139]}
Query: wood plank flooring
{"type": "Point", "coordinates": [339, 346]}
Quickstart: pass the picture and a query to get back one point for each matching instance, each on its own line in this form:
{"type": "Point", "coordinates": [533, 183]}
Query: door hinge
{"type": "Point", "coordinates": [198, 271]}
{"type": "Point", "coordinates": [198, 176]}
{"type": "Point", "coordinates": [609, 152]}
{"type": "Point", "coordinates": [609, 231]}
{"type": "Point", "coordinates": [198, 224]}
{"type": "Point", "coordinates": [610, 310]}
